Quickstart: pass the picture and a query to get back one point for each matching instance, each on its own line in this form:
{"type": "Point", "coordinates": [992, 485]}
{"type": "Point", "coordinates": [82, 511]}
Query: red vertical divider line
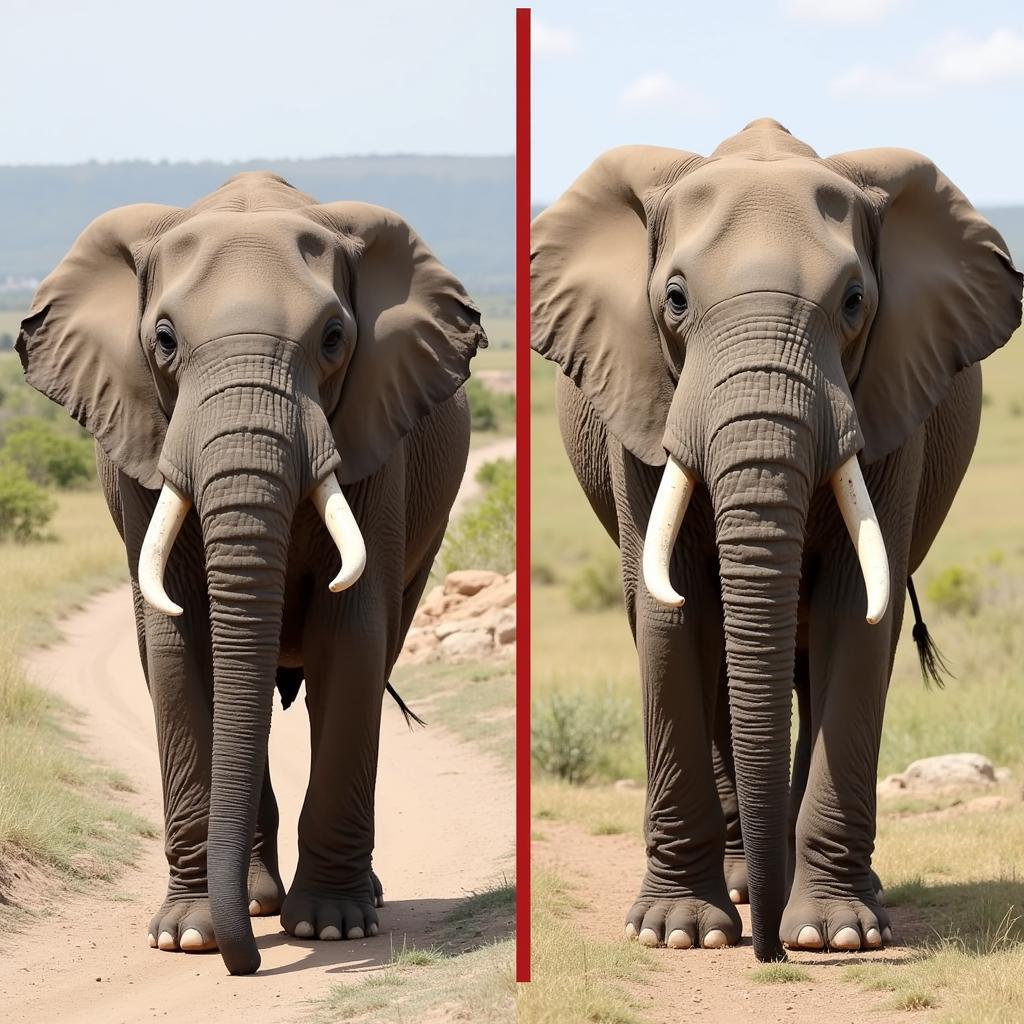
{"type": "Point", "coordinates": [522, 344]}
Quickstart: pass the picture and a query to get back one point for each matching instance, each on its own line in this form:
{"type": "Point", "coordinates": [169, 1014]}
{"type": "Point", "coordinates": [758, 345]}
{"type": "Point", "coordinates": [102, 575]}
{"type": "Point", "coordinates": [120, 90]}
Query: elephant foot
{"type": "Point", "coordinates": [877, 887]}
{"type": "Point", "coordinates": [308, 914]}
{"type": "Point", "coordinates": [266, 890]}
{"type": "Point", "coordinates": [735, 868]}
{"type": "Point", "coordinates": [845, 923]}
{"type": "Point", "coordinates": [684, 922]}
{"type": "Point", "coordinates": [183, 926]}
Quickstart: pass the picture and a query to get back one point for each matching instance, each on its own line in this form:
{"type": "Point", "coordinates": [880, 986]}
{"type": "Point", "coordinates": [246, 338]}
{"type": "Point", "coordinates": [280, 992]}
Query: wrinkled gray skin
{"type": "Point", "coordinates": [761, 380]}
{"type": "Point", "coordinates": [306, 340]}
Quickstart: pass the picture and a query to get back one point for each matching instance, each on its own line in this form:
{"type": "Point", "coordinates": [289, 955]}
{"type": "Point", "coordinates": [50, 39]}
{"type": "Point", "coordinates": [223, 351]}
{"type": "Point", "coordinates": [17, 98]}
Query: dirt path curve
{"type": "Point", "coordinates": [445, 826]}
{"type": "Point", "coordinates": [503, 449]}
{"type": "Point", "coordinates": [712, 985]}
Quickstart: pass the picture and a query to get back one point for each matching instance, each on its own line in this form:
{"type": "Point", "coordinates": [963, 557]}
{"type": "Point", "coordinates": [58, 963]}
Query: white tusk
{"type": "Point", "coordinates": [171, 508]}
{"type": "Point", "coordinates": [859, 515]}
{"type": "Point", "coordinates": [674, 493]}
{"type": "Point", "coordinates": [344, 531]}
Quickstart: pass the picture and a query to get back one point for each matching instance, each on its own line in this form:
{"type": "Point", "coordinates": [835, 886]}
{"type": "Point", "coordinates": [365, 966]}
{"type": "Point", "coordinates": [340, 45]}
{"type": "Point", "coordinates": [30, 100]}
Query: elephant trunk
{"type": "Point", "coordinates": [245, 515]}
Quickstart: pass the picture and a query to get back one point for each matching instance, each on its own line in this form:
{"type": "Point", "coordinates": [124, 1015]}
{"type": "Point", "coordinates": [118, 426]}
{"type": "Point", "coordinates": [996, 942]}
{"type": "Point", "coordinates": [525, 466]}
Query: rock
{"type": "Point", "coordinates": [466, 644]}
{"type": "Point", "coordinates": [505, 629]}
{"type": "Point", "coordinates": [468, 582]}
{"type": "Point", "coordinates": [988, 804]}
{"type": "Point", "coordinates": [498, 595]}
{"type": "Point", "coordinates": [891, 785]}
{"type": "Point", "coordinates": [949, 771]}
{"type": "Point", "coordinates": [1003, 775]}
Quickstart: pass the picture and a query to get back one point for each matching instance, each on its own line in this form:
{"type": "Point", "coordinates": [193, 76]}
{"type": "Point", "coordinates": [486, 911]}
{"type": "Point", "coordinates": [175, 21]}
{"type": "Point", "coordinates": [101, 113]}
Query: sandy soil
{"type": "Point", "coordinates": [713, 984]}
{"type": "Point", "coordinates": [445, 826]}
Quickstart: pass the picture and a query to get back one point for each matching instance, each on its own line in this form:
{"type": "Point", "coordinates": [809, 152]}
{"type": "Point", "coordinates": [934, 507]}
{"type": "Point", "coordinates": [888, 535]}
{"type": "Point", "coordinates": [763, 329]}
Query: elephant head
{"type": "Point", "coordinates": [245, 354]}
{"type": "Point", "coordinates": [754, 321]}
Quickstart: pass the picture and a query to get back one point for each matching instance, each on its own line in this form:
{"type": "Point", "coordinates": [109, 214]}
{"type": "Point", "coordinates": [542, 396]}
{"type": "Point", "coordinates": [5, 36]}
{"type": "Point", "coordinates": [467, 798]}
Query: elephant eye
{"type": "Point", "coordinates": [853, 302]}
{"type": "Point", "coordinates": [166, 340]}
{"type": "Point", "coordinates": [334, 337]}
{"type": "Point", "coordinates": [675, 297]}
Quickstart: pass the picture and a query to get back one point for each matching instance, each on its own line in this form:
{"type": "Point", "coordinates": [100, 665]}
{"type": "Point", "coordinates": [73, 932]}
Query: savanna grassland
{"type": "Point", "coordinates": [955, 874]}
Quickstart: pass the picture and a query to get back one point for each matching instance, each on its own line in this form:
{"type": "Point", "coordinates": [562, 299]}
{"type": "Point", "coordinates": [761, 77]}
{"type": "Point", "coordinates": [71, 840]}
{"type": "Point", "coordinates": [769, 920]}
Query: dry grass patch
{"type": "Point", "coordinates": [780, 974]}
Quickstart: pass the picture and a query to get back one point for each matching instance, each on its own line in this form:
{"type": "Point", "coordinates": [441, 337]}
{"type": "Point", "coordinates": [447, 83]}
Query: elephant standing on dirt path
{"type": "Point", "coordinates": [274, 384]}
{"type": "Point", "coordinates": [764, 354]}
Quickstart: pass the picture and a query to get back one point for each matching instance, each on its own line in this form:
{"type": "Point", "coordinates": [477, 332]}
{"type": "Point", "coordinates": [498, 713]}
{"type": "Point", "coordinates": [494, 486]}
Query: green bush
{"type": "Point", "coordinates": [48, 456]}
{"type": "Point", "coordinates": [596, 586]}
{"type": "Point", "coordinates": [490, 410]}
{"type": "Point", "coordinates": [574, 736]}
{"type": "Point", "coordinates": [484, 535]}
{"type": "Point", "coordinates": [955, 590]}
{"type": "Point", "coordinates": [25, 507]}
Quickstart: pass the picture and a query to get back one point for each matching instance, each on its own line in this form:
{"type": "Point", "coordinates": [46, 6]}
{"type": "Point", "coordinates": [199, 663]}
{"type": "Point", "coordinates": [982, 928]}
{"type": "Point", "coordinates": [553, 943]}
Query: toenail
{"type": "Point", "coordinates": [356, 933]}
{"type": "Point", "coordinates": [166, 941]}
{"type": "Point", "coordinates": [679, 939]}
{"type": "Point", "coordinates": [192, 938]}
{"type": "Point", "coordinates": [648, 937]}
{"type": "Point", "coordinates": [846, 938]}
{"type": "Point", "coordinates": [715, 939]}
{"type": "Point", "coordinates": [372, 929]}
{"type": "Point", "coordinates": [887, 934]}
{"type": "Point", "coordinates": [304, 930]}
{"type": "Point", "coordinates": [630, 930]}
{"type": "Point", "coordinates": [254, 908]}
{"type": "Point", "coordinates": [873, 937]}
{"type": "Point", "coordinates": [152, 940]}
{"type": "Point", "coordinates": [330, 933]}
{"type": "Point", "coordinates": [809, 938]}
{"type": "Point", "coordinates": [735, 896]}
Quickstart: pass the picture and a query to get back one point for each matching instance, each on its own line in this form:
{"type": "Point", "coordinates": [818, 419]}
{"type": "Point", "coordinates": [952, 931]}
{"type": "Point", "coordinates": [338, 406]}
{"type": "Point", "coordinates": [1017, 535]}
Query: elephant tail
{"type": "Point", "coordinates": [290, 679]}
{"type": "Point", "coordinates": [933, 666]}
{"type": "Point", "coordinates": [408, 714]}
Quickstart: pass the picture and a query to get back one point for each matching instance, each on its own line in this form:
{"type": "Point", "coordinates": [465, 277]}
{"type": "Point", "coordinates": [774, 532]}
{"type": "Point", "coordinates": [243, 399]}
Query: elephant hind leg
{"type": "Point", "coordinates": [734, 862]}
{"type": "Point", "coordinates": [266, 890]}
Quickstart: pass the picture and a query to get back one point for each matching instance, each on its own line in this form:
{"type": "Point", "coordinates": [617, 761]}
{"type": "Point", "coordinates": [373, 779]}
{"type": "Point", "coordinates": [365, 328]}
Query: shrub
{"type": "Point", "coordinates": [542, 575]}
{"type": "Point", "coordinates": [489, 410]}
{"type": "Point", "coordinates": [573, 735]}
{"type": "Point", "coordinates": [596, 586]}
{"type": "Point", "coordinates": [484, 535]}
{"type": "Point", "coordinates": [955, 590]}
{"type": "Point", "coordinates": [25, 507]}
{"type": "Point", "coordinates": [48, 456]}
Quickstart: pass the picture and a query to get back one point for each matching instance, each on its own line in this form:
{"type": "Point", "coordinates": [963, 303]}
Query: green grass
{"type": "Point", "coordinates": [577, 980]}
{"type": "Point", "coordinates": [58, 809]}
{"type": "Point", "coordinates": [779, 974]}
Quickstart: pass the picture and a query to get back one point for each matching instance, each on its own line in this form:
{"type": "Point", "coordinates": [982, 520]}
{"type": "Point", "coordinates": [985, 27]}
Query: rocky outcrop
{"type": "Point", "coordinates": [943, 773]}
{"type": "Point", "coordinates": [470, 616]}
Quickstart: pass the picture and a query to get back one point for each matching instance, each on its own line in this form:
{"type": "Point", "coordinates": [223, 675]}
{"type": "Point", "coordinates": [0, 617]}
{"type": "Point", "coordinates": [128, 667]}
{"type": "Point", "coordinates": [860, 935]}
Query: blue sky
{"type": "Point", "coordinates": [942, 77]}
{"type": "Point", "coordinates": [227, 79]}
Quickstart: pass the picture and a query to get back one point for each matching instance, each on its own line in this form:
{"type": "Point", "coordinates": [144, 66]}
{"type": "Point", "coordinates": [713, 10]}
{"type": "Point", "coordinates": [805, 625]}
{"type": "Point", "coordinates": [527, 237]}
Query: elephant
{"type": "Point", "coordinates": [765, 354]}
{"type": "Point", "coordinates": [272, 384]}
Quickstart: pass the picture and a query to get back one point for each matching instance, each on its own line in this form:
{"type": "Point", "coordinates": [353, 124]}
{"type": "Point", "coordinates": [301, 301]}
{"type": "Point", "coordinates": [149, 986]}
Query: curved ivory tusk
{"type": "Point", "coordinates": [859, 515]}
{"type": "Point", "coordinates": [674, 493]}
{"type": "Point", "coordinates": [344, 531]}
{"type": "Point", "coordinates": [171, 508]}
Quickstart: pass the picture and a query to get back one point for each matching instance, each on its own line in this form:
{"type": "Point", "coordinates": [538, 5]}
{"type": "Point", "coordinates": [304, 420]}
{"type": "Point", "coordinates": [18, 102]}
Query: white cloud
{"type": "Point", "coordinates": [954, 58]}
{"type": "Point", "coordinates": [957, 58]}
{"type": "Point", "coordinates": [842, 12]}
{"type": "Point", "coordinates": [650, 92]}
{"type": "Point", "coordinates": [871, 82]}
{"type": "Point", "coordinates": [548, 41]}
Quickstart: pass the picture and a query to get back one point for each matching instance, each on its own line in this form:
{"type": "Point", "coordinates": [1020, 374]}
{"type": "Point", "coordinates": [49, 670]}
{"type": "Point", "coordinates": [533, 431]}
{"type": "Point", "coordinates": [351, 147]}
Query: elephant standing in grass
{"type": "Point", "coordinates": [274, 385]}
{"type": "Point", "coordinates": [764, 354]}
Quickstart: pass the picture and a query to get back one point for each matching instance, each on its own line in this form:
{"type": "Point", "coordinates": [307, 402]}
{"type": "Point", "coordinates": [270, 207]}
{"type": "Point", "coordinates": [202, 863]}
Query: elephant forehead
{"type": "Point", "coordinates": [228, 273]}
{"type": "Point", "coordinates": [737, 225]}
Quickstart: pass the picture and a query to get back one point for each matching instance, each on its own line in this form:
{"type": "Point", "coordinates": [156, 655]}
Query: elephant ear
{"type": "Point", "coordinates": [416, 333]}
{"type": "Point", "coordinates": [948, 293]}
{"type": "Point", "coordinates": [589, 268]}
{"type": "Point", "coordinates": [80, 343]}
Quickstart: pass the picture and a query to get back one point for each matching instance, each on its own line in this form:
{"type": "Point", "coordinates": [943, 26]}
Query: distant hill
{"type": "Point", "coordinates": [462, 206]}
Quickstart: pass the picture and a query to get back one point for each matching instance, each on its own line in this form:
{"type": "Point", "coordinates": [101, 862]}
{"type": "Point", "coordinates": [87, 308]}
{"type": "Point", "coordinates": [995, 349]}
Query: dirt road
{"type": "Point", "coordinates": [714, 985]}
{"type": "Point", "coordinates": [503, 449]}
{"type": "Point", "coordinates": [445, 826]}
